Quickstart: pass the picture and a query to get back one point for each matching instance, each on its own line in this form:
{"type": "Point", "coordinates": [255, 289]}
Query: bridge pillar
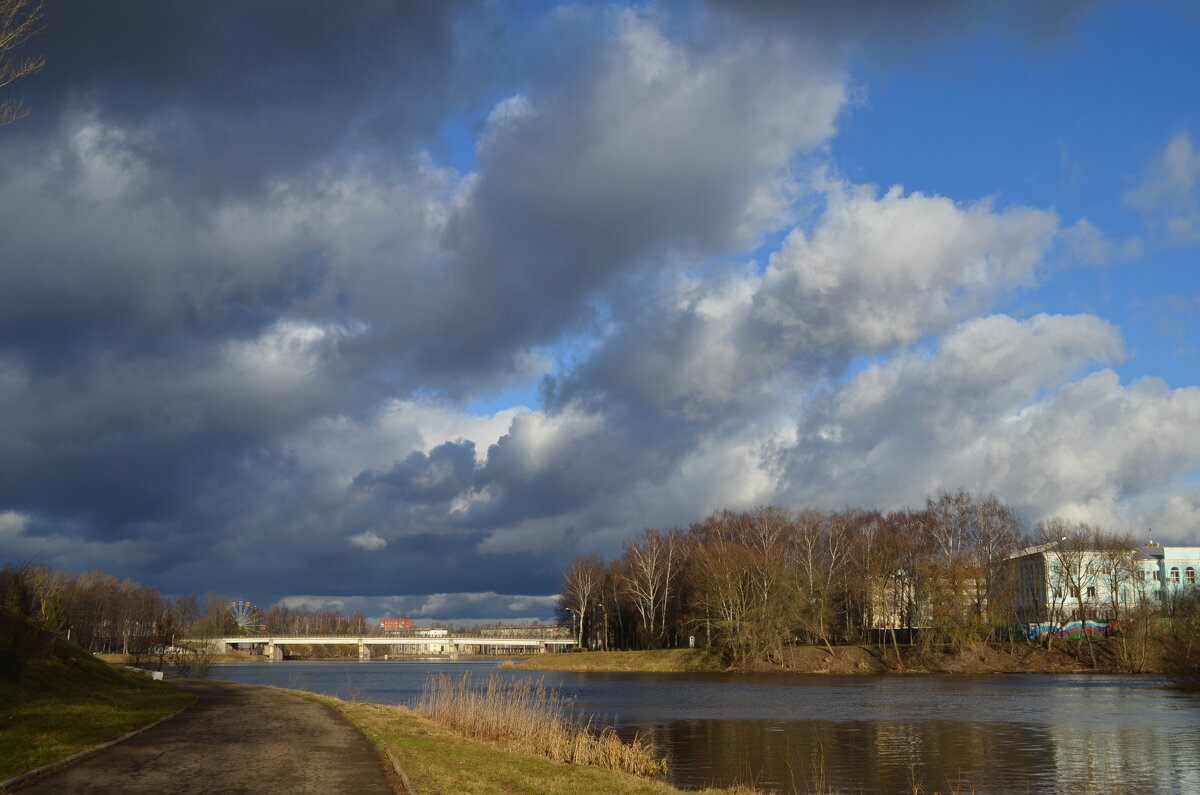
{"type": "Point", "coordinates": [542, 650]}
{"type": "Point", "coordinates": [273, 652]}
{"type": "Point", "coordinates": [453, 651]}
{"type": "Point", "coordinates": [364, 651]}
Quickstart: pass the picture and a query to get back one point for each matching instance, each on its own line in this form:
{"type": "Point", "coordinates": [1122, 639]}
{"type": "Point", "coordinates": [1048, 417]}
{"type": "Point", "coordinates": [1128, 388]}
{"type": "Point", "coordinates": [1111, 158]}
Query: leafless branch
{"type": "Point", "coordinates": [18, 23]}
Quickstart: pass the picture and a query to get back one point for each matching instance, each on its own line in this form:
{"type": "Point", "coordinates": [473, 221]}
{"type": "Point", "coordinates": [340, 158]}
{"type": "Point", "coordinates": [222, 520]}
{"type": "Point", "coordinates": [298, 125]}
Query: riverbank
{"type": "Point", "coordinates": [1102, 655]}
{"type": "Point", "coordinates": [427, 758]}
{"type": "Point", "coordinates": [435, 759]}
{"type": "Point", "coordinates": [650, 660]}
{"type": "Point", "coordinates": [149, 661]}
{"type": "Point", "coordinates": [64, 700]}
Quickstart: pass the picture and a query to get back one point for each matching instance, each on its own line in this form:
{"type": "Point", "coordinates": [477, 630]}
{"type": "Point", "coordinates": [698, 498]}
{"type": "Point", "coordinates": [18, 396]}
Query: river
{"type": "Point", "coordinates": [984, 734]}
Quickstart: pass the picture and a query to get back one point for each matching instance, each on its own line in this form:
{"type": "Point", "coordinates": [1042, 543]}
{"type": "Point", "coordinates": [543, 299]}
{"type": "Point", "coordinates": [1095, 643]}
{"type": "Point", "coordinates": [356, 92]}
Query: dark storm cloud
{"type": "Point", "coordinates": [149, 365]}
{"type": "Point", "coordinates": [203, 269]}
{"type": "Point", "coordinates": [628, 150]}
{"type": "Point", "coordinates": [296, 560]}
{"type": "Point", "coordinates": [447, 471]}
{"type": "Point", "coordinates": [235, 266]}
{"type": "Point", "coordinates": [153, 121]}
{"type": "Point", "coordinates": [224, 96]}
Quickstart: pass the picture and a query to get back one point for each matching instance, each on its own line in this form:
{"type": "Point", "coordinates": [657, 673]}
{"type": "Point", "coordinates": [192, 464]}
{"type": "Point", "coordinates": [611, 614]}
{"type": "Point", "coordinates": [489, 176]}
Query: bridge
{"type": "Point", "coordinates": [273, 645]}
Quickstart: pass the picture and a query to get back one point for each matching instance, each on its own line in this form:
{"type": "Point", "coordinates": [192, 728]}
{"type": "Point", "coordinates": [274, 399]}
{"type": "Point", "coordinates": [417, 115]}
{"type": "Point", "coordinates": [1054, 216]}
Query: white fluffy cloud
{"type": "Point", "coordinates": [882, 270]}
{"type": "Point", "coordinates": [12, 523]}
{"type": "Point", "coordinates": [876, 272]}
{"type": "Point", "coordinates": [368, 541]}
{"type": "Point", "coordinates": [1006, 406]}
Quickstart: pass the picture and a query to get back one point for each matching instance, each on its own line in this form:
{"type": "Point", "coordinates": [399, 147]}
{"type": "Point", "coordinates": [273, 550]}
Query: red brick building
{"type": "Point", "coordinates": [395, 624]}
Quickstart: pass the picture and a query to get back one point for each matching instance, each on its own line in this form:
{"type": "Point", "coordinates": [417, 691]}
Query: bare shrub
{"type": "Point", "coordinates": [195, 661]}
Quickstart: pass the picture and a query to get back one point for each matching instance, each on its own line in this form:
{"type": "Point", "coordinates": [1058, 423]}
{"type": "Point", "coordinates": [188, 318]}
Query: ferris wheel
{"type": "Point", "coordinates": [247, 617]}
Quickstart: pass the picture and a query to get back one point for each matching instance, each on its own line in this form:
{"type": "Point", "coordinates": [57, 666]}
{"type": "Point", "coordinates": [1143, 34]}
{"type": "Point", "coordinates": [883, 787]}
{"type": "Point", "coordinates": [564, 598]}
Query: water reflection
{"type": "Point", "coordinates": [1037, 734]}
{"type": "Point", "coordinates": [946, 756]}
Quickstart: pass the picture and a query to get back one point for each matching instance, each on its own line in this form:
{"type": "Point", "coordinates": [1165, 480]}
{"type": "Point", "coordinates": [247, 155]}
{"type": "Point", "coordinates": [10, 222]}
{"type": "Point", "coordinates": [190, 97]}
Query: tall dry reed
{"type": "Point", "coordinates": [525, 716]}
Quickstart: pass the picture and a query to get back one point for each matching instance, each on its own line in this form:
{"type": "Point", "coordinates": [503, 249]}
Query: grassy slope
{"type": "Point", "coordinates": [438, 761]}
{"type": "Point", "coordinates": [1065, 656]}
{"type": "Point", "coordinates": [676, 660]}
{"type": "Point", "coordinates": [72, 701]}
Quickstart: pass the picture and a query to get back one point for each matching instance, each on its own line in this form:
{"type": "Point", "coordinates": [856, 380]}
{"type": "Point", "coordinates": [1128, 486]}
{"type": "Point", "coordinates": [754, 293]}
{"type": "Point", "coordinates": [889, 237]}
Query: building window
{"type": "Point", "coordinates": [1157, 575]}
{"type": "Point", "coordinates": [1058, 593]}
{"type": "Point", "coordinates": [1190, 575]}
{"type": "Point", "coordinates": [1091, 592]}
{"type": "Point", "coordinates": [1175, 574]}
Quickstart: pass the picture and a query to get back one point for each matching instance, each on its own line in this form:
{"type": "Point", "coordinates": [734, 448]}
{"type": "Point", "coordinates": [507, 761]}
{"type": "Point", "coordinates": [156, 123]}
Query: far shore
{"type": "Point", "coordinates": [1067, 656]}
{"type": "Point", "coordinates": [1101, 655]}
{"type": "Point", "coordinates": [245, 657]}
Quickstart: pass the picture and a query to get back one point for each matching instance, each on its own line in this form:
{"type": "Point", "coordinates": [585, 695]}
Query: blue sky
{"type": "Point", "coordinates": [403, 310]}
{"type": "Point", "coordinates": [1070, 124]}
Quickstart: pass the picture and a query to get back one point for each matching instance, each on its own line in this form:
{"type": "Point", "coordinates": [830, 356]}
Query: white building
{"type": "Point", "coordinates": [1066, 581]}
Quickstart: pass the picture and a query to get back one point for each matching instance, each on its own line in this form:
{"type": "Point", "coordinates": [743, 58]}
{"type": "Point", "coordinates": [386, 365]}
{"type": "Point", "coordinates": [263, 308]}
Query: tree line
{"type": "Point", "coordinates": [106, 614]}
{"type": "Point", "coordinates": [749, 584]}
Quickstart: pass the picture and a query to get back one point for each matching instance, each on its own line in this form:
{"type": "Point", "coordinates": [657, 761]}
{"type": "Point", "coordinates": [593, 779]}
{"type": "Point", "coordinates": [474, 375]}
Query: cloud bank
{"type": "Point", "coordinates": [257, 283]}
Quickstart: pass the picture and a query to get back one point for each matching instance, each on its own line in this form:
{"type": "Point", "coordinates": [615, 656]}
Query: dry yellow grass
{"type": "Point", "coordinates": [655, 660]}
{"type": "Point", "coordinates": [523, 716]}
{"type": "Point", "coordinates": [437, 760]}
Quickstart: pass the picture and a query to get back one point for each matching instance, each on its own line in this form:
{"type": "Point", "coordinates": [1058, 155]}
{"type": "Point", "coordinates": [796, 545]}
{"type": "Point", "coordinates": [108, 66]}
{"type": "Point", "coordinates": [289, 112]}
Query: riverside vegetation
{"type": "Point", "coordinates": [105, 614]}
{"type": "Point", "coordinates": [525, 716]}
{"type": "Point", "coordinates": [761, 588]}
{"type": "Point", "coordinates": [438, 759]}
{"type": "Point", "coordinates": [1070, 656]}
{"type": "Point", "coordinates": [57, 700]}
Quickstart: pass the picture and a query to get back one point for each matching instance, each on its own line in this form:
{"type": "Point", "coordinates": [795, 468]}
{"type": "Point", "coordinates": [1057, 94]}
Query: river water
{"type": "Point", "coordinates": [805, 733]}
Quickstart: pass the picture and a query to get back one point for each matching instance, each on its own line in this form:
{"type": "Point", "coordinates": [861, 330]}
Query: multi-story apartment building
{"type": "Point", "coordinates": [1069, 581]}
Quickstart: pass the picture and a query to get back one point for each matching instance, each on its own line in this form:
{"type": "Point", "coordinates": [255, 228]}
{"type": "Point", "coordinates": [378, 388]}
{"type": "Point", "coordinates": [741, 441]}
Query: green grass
{"type": "Point", "coordinates": [70, 702]}
{"type": "Point", "coordinates": [676, 660]}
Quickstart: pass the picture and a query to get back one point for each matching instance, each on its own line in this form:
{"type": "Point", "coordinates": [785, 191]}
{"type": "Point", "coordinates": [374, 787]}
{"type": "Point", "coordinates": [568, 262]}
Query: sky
{"type": "Point", "coordinates": [400, 309]}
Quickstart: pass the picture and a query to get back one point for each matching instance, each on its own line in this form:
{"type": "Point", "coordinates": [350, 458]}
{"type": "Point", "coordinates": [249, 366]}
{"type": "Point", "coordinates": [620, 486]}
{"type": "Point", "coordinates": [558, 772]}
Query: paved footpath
{"type": "Point", "coordinates": [236, 738]}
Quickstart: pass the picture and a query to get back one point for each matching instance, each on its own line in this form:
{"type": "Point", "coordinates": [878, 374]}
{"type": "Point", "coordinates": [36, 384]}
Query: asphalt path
{"type": "Point", "coordinates": [236, 738]}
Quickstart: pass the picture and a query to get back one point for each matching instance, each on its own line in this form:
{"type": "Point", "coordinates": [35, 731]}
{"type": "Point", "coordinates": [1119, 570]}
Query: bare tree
{"type": "Point", "coordinates": [822, 550]}
{"type": "Point", "coordinates": [650, 568]}
{"type": "Point", "coordinates": [18, 22]}
{"type": "Point", "coordinates": [742, 586]}
{"type": "Point", "coordinates": [582, 581]}
{"type": "Point", "coordinates": [997, 533]}
{"type": "Point", "coordinates": [951, 529]}
{"type": "Point", "coordinates": [1069, 547]}
{"type": "Point", "coordinates": [1119, 574]}
{"type": "Point", "coordinates": [721, 588]}
{"type": "Point", "coordinates": [889, 550]}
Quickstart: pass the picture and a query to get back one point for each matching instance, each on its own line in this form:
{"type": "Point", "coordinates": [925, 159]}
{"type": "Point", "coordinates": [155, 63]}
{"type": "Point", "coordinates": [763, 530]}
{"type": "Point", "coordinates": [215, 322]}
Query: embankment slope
{"type": "Point", "coordinates": [56, 699]}
{"type": "Point", "coordinates": [1108, 655]}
